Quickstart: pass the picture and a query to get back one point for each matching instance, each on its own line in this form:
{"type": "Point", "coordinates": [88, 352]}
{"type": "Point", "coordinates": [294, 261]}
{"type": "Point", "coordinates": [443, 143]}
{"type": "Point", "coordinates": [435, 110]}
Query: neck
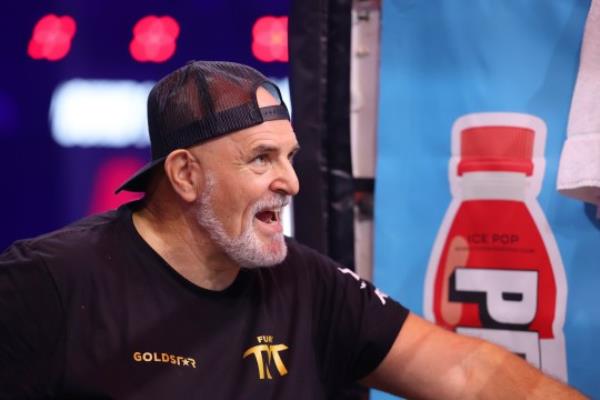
{"type": "Point", "coordinates": [185, 246]}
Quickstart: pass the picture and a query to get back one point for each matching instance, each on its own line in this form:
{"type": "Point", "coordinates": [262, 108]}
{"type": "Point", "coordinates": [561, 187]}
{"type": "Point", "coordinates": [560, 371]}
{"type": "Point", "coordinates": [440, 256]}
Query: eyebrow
{"type": "Point", "coordinates": [263, 148]}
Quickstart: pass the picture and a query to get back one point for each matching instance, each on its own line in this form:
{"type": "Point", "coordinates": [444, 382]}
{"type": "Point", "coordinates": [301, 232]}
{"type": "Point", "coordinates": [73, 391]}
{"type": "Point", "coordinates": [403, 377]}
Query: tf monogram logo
{"type": "Point", "coordinates": [266, 347]}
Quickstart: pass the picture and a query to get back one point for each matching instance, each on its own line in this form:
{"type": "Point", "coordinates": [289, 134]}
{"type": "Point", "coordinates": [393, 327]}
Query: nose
{"type": "Point", "coordinates": [286, 181]}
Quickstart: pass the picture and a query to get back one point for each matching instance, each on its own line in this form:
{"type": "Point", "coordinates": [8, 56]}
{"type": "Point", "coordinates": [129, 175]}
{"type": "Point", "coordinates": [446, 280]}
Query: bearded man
{"type": "Point", "coordinates": [193, 291]}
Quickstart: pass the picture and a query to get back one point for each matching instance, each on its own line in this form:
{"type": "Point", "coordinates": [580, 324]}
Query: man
{"type": "Point", "coordinates": [193, 292]}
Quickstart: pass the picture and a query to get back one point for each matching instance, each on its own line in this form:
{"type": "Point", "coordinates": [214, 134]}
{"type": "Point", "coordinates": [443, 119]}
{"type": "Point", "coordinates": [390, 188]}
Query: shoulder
{"type": "Point", "coordinates": [62, 251]}
{"type": "Point", "coordinates": [78, 237]}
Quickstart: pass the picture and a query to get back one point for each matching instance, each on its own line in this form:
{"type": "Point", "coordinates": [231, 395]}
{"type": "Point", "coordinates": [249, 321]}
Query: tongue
{"type": "Point", "coordinates": [265, 216]}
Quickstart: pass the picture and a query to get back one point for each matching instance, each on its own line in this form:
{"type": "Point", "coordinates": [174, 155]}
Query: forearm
{"type": "Point", "coordinates": [428, 362]}
{"type": "Point", "coordinates": [492, 373]}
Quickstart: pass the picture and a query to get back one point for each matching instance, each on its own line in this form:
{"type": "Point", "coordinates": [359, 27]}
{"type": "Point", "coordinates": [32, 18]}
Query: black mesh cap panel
{"type": "Point", "coordinates": [200, 101]}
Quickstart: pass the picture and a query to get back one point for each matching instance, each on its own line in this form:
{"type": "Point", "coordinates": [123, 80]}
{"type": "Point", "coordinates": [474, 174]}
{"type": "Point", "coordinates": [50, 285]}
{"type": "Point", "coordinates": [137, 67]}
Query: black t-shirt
{"type": "Point", "coordinates": [92, 311]}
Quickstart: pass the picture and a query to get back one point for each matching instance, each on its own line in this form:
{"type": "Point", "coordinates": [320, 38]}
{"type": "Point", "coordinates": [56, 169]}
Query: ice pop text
{"type": "Point", "coordinates": [493, 238]}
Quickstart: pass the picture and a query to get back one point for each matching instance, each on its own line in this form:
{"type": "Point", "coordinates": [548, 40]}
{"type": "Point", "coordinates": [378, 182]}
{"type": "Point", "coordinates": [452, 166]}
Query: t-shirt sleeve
{"type": "Point", "coordinates": [355, 323]}
{"type": "Point", "coordinates": [30, 326]}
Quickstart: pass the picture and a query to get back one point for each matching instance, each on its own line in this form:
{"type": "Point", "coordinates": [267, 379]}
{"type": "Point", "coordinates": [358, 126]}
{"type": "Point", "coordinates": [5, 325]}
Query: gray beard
{"type": "Point", "coordinates": [247, 250]}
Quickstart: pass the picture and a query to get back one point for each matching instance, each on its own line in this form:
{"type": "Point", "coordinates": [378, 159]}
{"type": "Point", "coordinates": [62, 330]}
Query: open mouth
{"type": "Point", "coordinates": [268, 216]}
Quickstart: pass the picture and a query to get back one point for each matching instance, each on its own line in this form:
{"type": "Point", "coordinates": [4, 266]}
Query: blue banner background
{"type": "Point", "coordinates": [443, 59]}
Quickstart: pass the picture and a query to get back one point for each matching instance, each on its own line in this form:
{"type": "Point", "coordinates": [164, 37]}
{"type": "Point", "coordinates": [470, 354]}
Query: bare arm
{"type": "Point", "coordinates": [428, 362]}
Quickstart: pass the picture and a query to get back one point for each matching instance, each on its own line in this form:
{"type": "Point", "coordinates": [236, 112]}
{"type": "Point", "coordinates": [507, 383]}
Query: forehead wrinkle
{"type": "Point", "coordinates": [272, 146]}
{"type": "Point", "coordinates": [266, 138]}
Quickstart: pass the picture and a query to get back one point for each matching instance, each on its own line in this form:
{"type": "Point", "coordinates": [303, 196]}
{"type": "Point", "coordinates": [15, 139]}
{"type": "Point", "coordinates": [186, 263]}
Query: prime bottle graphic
{"type": "Point", "coordinates": [495, 271]}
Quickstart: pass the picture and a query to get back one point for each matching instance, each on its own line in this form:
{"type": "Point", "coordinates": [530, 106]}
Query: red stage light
{"type": "Point", "coordinates": [51, 37]}
{"type": "Point", "coordinates": [270, 39]}
{"type": "Point", "coordinates": [111, 174]}
{"type": "Point", "coordinates": [154, 39]}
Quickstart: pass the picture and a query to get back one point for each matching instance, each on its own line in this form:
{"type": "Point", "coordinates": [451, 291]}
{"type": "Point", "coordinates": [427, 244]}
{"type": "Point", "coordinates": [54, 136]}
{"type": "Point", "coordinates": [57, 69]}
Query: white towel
{"type": "Point", "coordinates": [579, 168]}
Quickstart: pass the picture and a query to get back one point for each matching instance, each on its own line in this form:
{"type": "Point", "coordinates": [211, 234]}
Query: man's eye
{"type": "Point", "coordinates": [260, 160]}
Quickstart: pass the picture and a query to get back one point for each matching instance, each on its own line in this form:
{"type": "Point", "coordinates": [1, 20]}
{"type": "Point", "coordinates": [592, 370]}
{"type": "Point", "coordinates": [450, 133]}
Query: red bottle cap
{"type": "Point", "coordinates": [496, 148]}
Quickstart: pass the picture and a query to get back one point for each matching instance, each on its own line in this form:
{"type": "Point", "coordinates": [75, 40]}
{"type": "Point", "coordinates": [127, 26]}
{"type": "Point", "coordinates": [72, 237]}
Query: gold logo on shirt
{"type": "Point", "coordinates": [147, 356]}
{"type": "Point", "coordinates": [266, 347]}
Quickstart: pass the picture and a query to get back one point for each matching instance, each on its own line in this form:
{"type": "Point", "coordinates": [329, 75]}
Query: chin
{"type": "Point", "coordinates": [263, 253]}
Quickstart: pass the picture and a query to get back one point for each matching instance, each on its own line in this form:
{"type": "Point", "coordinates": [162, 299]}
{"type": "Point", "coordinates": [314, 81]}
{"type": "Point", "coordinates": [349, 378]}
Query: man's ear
{"type": "Point", "coordinates": [185, 174]}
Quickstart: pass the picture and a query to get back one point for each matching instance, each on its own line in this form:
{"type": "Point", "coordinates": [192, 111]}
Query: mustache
{"type": "Point", "coordinates": [271, 201]}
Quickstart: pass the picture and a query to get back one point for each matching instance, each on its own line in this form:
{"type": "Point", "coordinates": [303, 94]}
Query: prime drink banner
{"type": "Point", "coordinates": [470, 230]}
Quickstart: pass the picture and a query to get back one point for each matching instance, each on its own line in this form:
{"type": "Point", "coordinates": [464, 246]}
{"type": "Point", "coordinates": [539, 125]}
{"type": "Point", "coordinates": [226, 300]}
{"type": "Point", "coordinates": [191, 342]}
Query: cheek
{"type": "Point", "coordinates": [232, 206]}
{"type": "Point", "coordinates": [234, 201]}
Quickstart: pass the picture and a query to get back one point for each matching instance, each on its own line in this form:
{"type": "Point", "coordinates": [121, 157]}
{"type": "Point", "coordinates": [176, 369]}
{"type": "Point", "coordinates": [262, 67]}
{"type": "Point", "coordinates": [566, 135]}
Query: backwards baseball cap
{"type": "Point", "coordinates": [200, 101]}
